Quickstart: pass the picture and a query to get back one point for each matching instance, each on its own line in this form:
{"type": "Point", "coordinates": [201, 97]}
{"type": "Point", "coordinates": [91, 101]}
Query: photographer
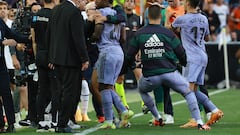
{"type": "Point", "coordinates": [24, 76]}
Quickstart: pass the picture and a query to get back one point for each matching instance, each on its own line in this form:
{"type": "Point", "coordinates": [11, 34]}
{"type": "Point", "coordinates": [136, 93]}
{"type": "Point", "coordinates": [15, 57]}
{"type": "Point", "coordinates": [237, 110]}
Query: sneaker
{"type": "Point", "coordinates": [101, 119]}
{"type": "Point", "coordinates": [53, 127]}
{"type": "Point", "coordinates": [203, 127]}
{"type": "Point", "coordinates": [106, 125]}
{"type": "Point", "coordinates": [85, 117]}
{"type": "Point", "coordinates": [191, 123]}
{"type": "Point", "coordinates": [145, 110]}
{"type": "Point", "coordinates": [73, 125]}
{"type": "Point", "coordinates": [157, 122]}
{"type": "Point", "coordinates": [168, 119]}
{"type": "Point", "coordinates": [25, 122]}
{"type": "Point", "coordinates": [125, 117]}
{"type": "Point", "coordinates": [215, 117]}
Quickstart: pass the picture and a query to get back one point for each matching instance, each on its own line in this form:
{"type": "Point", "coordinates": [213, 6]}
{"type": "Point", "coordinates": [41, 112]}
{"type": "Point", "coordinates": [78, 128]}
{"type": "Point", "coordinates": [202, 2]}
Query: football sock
{"type": "Point", "coordinates": [84, 97]}
{"type": "Point", "coordinates": [204, 100]}
{"type": "Point", "coordinates": [150, 104]}
{"type": "Point", "coordinates": [121, 93]}
{"type": "Point", "coordinates": [117, 102]}
{"type": "Point", "coordinates": [193, 107]}
{"type": "Point", "coordinates": [107, 102]}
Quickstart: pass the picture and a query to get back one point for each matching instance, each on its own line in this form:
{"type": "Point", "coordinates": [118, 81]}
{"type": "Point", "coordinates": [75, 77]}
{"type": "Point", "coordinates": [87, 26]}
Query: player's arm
{"type": "Point", "coordinates": [179, 51]}
{"type": "Point", "coordinates": [98, 28]}
{"type": "Point", "coordinates": [123, 35]}
{"type": "Point", "coordinates": [133, 49]}
{"type": "Point", "coordinates": [176, 26]}
{"type": "Point", "coordinates": [34, 44]}
{"type": "Point", "coordinates": [207, 38]}
{"type": "Point", "coordinates": [118, 18]}
{"type": "Point", "coordinates": [207, 34]}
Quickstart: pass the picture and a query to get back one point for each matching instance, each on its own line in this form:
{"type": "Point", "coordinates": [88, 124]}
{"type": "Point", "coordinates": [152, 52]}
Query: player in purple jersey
{"type": "Point", "coordinates": [109, 65]}
{"type": "Point", "coordinates": [194, 31]}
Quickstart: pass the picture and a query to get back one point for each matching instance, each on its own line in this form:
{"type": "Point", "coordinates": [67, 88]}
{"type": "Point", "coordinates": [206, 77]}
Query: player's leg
{"type": "Point", "coordinates": [84, 100]}
{"type": "Point", "coordinates": [206, 102]}
{"type": "Point", "coordinates": [119, 87]}
{"type": "Point", "coordinates": [96, 97]}
{"type": "Point", "coordinates": [180, 85]}
{"type": "Point", "coordinates": [146, 85]}
{"type": "Point", "coordinates": [204, 90]}
{"type": "Point", "coordinates": [108, 72]}
{"type": "Point", "coordinates": [168, 108]}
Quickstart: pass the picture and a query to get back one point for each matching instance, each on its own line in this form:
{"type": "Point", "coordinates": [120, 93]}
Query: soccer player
{"type": "Point", "coordinates": [109, 64]}
{"type": "Point", "coordinates": [159, 50]}
{"type": "Point", "coordinates": [194, 31]}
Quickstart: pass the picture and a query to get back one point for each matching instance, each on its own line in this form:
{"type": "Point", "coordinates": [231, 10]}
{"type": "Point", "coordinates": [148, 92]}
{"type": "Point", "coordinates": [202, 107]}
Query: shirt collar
{"type": "Point", "coordinates": [72, 2]}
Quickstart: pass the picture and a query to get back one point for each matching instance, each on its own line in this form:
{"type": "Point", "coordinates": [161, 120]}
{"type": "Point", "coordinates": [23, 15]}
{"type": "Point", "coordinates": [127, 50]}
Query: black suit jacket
{"type": "Point", "coordinates": [65, 36]}
{"type": "Point", "coordinates": [6, 32]}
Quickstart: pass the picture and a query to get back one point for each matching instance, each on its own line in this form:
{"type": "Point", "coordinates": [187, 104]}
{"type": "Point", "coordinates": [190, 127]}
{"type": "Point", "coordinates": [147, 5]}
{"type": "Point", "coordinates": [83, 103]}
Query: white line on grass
{"type": "Point", "coordinates": [93, 129]}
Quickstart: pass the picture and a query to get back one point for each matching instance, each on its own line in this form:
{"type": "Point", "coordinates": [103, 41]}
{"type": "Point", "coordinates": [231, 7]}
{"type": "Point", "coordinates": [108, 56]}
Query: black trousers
{"type": "Point", "coordinates": [44, 92]}
{"type": "Point", "coordinates": [68, 78]}
{"type": "Point", "coordinates": [32, 87]}
{"type": "Point", "coordinates": [168, 108]}
{"type": "Point", "coordinates": [48, 91]}
{"type": "Point", "coordinates": [6, 95]}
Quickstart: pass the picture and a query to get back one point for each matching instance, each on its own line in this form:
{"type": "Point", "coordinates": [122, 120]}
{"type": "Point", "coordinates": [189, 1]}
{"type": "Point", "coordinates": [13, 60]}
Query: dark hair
{"type": "Point", "coordinates": [48, 1]}
{"type": "Point", "coordinates": [154, 12]}
{"type": "Point", "coordinates": [110, 1]}
{"type": "Point", "coordinates": [34, 4]}
{"type": "Point", "coordinates": [3, 3]}
{"type": "Point", "coordinates": [194, 3]}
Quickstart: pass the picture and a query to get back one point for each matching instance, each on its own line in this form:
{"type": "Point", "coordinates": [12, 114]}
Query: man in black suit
{"type": "Point", "coordinates": [68, 55]}
{"type": "Point", "coordinates": [5, 91]}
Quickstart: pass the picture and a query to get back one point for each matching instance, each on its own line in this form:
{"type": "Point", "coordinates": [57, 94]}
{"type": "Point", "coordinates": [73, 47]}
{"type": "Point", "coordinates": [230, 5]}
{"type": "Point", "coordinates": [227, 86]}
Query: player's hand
{"type": "Point", "coordinates": [85, 65]}
{"type": "Point", "coordinates": [16, 63]}
{"type": "Point", "coordinates": [20, 47]}
{"type": "Point", "coordinates": [100, 18]}
{"type": "Point", "coordinates": [10, 42]}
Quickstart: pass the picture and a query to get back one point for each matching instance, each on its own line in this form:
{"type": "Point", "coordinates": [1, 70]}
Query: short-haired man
{"type": "Point", "coordinates": [159, 50]}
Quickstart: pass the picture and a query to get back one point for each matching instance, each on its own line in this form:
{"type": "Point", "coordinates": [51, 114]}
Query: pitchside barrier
{"type": "Point", "coordinates": [215, 69]}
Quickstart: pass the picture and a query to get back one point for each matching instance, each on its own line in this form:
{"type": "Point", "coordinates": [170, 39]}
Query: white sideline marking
{"type": "Point", "coordinates": [88, 131]}
{"type": "Point", "coordinates": [93, 129]}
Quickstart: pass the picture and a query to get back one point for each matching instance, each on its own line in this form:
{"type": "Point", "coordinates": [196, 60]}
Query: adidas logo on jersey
{"type": "Point", "coordinates": [153, 41]}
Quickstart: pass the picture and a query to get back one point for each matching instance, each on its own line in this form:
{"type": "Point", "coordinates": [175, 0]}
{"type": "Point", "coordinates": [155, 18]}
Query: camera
{"type": "Point", "coordinates": [20, 78]}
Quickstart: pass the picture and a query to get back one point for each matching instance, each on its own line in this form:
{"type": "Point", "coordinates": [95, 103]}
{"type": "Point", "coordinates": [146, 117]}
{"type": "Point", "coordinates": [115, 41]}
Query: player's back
{"type": "Point", "coordinates": [111, 33]}
{"type": "Point", "coordinates": [194, 28]}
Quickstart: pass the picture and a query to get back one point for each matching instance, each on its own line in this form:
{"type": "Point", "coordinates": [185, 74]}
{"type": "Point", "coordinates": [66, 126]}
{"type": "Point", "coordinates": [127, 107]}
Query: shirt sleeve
{"type": "Point", "coordinates": [119, 17]}
{"type": "Point", "coordinates": [178, 23]}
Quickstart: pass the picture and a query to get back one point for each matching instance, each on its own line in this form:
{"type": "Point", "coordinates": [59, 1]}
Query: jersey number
{"type": "Point", "coordinates": [194, 30]}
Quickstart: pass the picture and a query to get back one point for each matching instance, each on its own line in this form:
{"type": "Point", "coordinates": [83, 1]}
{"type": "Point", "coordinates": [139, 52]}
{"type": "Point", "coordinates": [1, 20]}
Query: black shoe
{"type": "Point", "coordinates": [25, 122]}
{"type": "Point", "coordinates": [11, 129]}
{"type": "Point", "coordinates": [63, 130]}
{"type": "Point", "coordinates": [42, 128]}
{"type": "Point", "coordinates": [2, 130]}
